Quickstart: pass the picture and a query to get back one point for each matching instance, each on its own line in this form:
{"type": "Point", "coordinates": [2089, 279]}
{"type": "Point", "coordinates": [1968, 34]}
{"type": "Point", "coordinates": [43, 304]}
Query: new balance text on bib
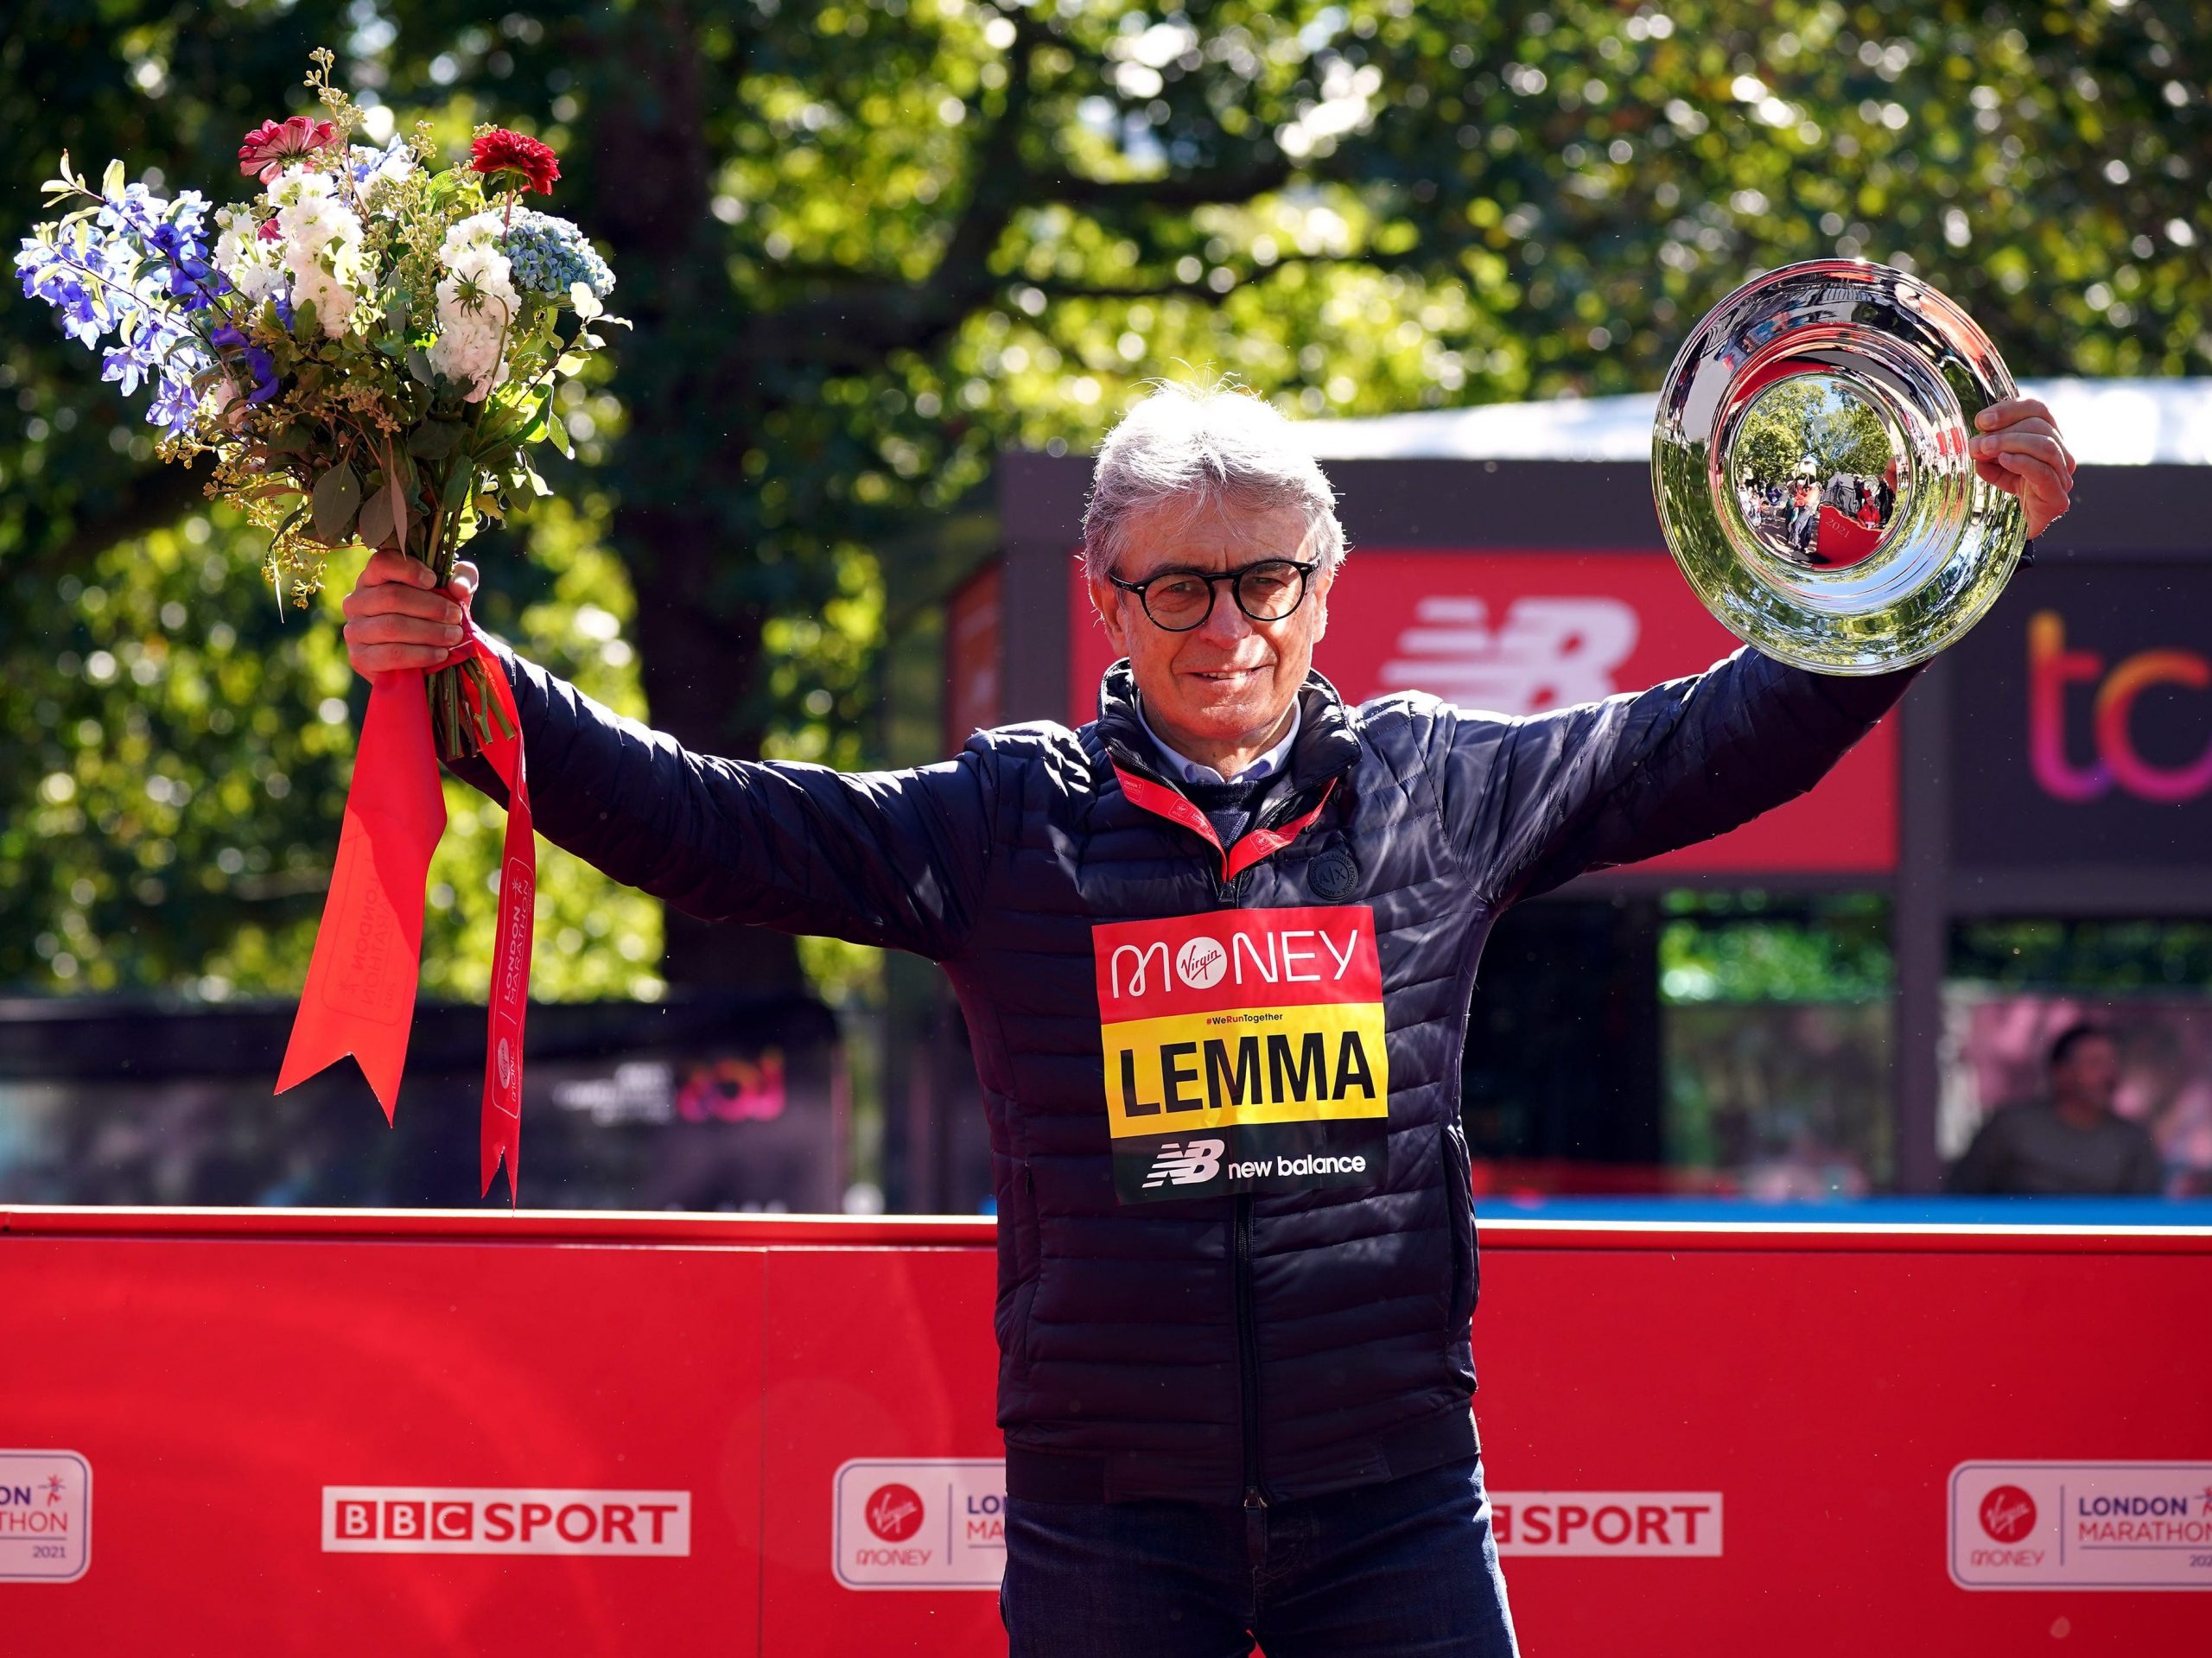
{"type": "Point", "coordinates": [1244, 1051]}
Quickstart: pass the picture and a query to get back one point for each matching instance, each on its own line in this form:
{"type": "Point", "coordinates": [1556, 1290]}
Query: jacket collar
{"type": "Point", "coordinates": [1326, 748]}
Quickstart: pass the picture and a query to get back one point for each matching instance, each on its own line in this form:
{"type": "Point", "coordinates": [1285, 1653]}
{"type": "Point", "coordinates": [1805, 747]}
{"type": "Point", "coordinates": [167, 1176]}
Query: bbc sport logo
{"type": "Point", "coordinates": [483, 1520]}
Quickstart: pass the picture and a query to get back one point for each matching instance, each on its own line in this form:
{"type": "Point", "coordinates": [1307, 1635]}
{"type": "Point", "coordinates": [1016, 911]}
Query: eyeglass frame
{"type": "Point", "coordinates": [1234, 578]}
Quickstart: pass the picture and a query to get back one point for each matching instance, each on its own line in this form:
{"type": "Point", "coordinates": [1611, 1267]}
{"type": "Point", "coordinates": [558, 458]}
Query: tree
{"type": "Point", "coordinates": [868, 243]}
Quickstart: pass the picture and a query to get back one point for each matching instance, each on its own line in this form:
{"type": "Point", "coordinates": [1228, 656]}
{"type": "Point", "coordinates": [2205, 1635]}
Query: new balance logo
{"type": "Point", "coordinates": [1190, 1164]}
{"type": "Point", "coordinates": [1546, 653]}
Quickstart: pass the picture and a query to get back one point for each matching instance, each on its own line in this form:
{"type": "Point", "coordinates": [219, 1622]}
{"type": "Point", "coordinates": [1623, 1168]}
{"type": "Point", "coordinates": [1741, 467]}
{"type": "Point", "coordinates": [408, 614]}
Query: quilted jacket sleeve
{"type": "Point", "coordinates": [889, 858]}
{"type": "Point", "coordinates": [1532, 802]}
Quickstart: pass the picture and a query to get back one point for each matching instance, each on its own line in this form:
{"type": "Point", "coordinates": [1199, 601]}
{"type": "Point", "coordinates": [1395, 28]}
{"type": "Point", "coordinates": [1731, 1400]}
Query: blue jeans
{"type": "Point", "coordinates": [1406, 1568]}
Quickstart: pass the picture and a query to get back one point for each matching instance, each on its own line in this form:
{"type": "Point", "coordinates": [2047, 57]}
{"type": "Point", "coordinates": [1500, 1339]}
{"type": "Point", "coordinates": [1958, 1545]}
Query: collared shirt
{"type": "Point", "coordinates": [1191, 771]}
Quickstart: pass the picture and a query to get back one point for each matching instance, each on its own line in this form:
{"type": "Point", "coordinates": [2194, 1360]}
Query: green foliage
{"type": "Point", "coordinates": [2085, 955]}
{"type": "Point", "coordinates": [868, 244]}
{"type": "Point", "coordinates": [187, 751]}
{"type": "Point", "coordinates": [1755, 947]}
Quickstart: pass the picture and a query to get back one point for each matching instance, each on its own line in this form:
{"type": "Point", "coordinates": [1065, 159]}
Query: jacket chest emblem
{"type": "Point", "coordinates": [1243, 1050]}
{"type": "Point", "coordinates": [1334, 875]}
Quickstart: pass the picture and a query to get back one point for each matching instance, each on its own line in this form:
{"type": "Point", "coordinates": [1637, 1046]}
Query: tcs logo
{"type": "Point", "coordinates": [2052, 668]}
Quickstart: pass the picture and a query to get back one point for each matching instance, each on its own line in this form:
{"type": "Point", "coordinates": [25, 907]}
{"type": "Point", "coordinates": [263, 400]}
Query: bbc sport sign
{"type": "Point", "coordinates": [2082, 1525]}
{"type": "Point", "coordinates": [489, 1519]}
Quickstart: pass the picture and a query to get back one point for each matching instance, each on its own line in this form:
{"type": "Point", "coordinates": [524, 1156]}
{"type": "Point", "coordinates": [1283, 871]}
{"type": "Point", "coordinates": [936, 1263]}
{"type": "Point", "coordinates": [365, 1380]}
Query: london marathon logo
{"type": "Point", "coordinates": [46, 1516]}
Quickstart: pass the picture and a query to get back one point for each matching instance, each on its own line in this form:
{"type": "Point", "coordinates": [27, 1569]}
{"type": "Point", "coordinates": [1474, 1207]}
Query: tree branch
{"type": "Point", "coordinates": [859, 320]}
{"type": "Point", "coordinates": [1197, 189]}
{"type": "Point", "coordinates": [153, 500]}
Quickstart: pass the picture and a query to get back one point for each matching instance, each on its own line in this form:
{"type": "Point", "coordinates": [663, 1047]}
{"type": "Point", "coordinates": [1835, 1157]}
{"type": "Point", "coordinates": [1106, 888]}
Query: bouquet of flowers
{"type": "Point", "coordinates": [369, 347]}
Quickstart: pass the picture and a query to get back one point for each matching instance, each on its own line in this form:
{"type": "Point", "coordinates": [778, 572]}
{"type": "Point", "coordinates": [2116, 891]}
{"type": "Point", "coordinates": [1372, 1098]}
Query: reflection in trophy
{"type": "Point", "coordinates": [1811, 467]}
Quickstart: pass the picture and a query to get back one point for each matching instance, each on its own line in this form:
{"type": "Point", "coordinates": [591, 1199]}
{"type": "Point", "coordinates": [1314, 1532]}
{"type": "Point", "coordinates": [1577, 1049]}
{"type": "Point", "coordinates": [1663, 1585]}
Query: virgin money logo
{"type": "Point", "coordinates": [1201, 963]}
{"type": "Point", "coordinates": [894, 1513]}
{"type": "Point", "coordinates": [2008, 1513]}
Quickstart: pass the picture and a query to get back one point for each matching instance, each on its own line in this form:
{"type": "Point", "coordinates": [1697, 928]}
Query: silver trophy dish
{"type": "Point", "coordinates": [1812, 472]}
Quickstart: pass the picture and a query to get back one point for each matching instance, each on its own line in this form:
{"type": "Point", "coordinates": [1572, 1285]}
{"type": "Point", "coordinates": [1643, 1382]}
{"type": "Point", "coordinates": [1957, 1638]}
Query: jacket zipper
{"type": "Point", "coordinates": [1248, 1353]}
{"type": "Point", "coordinates": [1248, 1333]}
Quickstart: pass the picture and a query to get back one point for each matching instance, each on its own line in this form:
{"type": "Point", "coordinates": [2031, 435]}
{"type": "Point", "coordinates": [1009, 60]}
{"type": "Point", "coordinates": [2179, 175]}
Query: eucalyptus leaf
{"type": "Point", "coordinates": [337, 498]}
{"type": "Point", "coordinates": [434, 440]}
{"type": "Point", "coordinates": [293, 439]}
{"type": "Point", "coordinates": [395, 312]}
{"type": "Point", "coordinates": [306, 324]}
{"type": "Point", "coordinates": [375, 526]}
{"type": "Point", "coordinates": [397, 496]}
{"type": "Point", "coordinates": [418, 364]}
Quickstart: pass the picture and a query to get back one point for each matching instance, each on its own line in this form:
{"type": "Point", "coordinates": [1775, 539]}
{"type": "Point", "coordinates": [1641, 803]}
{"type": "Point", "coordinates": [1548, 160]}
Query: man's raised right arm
{"type": "Point", "coordinates": [895, 859]}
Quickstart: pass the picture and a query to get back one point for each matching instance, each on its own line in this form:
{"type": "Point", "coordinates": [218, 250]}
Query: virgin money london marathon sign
{"type": "Point", "coordinates": [1243, 1050]}
{"type": "Point", "coordinates": [46, 1516]}
{"type": "Point", "coordinates": [938, 1523]}
{"type": "Point", "coordinates": [2082, 1525]}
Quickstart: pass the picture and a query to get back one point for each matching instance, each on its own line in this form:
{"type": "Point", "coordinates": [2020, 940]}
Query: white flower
{"type": "Point", "coordinates": [394, 164]}
{"type": "Point", "coordinates": [476, 302]}
{"type": "Point", "coordinates": [253, 265]}
{"type": "Point", "coordinates": [478, 229]}
{"type": "Point", "coordinates": [319, 240]}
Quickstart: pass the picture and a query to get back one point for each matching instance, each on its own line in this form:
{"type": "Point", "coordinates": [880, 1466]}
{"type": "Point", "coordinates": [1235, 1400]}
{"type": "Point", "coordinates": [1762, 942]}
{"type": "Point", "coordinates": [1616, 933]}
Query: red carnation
{"type": "Point", "coordinates": [502, 151]}
{"type": "Point", "coordinates": [272, 143]}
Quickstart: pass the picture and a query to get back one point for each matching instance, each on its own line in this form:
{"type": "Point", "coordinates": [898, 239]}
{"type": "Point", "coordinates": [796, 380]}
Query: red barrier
{"type": "Point", "coordinates": [367, 1434]}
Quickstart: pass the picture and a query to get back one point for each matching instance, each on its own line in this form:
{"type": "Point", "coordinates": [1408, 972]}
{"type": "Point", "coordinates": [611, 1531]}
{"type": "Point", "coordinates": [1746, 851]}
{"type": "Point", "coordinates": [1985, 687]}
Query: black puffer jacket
{"type": "Point", "coordinates": [1279, 1344]}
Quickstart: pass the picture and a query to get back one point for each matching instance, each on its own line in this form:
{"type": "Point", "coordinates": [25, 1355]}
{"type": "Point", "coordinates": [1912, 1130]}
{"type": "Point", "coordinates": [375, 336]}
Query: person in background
{"type": "Point", "coordinates": [2070, 1143]}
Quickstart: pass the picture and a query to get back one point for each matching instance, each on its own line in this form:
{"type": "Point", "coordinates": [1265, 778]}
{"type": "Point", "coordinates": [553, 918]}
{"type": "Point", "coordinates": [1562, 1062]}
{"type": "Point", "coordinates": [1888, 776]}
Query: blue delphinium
{"type": "Point", "coordinates": [548, 254]}
{"type": "Point", "coordinates": [138, 268]}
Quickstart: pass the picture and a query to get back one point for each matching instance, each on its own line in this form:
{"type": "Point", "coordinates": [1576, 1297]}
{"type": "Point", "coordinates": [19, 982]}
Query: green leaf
{"type": "Point", "coordinates": [395, 312]}
{"type": "Point", "coordinates": [434, 440]}
{"type": "Point", "coordinates": [305, 324]}
{"type": "Point", "coordinates": [112, 180]}
{"type": "Point", "coordinates": [396, 494]}
{"type": "Point", "coordinates": [293, 439]}
{"type": "Point", "coordinates": [337, 498]}
{"type": "Point", "coordinates": [418, 364]}
{"type": "Point", "coordinates": [375, 527]}
{"type": "Point", "coordinates": [557, 429]}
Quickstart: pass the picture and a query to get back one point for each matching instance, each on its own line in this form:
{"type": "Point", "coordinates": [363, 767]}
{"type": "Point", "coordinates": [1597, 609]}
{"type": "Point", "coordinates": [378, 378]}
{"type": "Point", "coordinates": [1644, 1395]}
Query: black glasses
{"type": "Point", "coordinates": [1178, 601]}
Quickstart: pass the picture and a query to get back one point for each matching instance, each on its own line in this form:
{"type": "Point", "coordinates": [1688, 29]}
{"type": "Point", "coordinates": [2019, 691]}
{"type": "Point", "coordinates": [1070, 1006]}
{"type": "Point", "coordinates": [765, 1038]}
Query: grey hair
{"type": "Point", "coordinates": [1207, 446]}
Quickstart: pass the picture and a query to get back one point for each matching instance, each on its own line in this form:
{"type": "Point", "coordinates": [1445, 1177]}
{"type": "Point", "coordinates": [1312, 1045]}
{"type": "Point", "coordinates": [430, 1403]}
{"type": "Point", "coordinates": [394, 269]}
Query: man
{"type": "Point", "coordinates": [1215, 950]}
{"type": "Point", "coordinates": [2071, 1142]}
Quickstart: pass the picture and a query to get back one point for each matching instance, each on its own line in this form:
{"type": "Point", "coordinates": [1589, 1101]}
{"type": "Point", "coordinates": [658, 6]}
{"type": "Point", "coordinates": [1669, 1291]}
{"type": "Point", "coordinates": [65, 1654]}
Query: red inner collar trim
{"type": "Point", "coordinates": [1178, 808]}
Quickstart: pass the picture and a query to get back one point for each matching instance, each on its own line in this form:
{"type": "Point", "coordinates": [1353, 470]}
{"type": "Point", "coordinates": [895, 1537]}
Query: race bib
{"type": "Point", "coordinates": [1244, 1051]}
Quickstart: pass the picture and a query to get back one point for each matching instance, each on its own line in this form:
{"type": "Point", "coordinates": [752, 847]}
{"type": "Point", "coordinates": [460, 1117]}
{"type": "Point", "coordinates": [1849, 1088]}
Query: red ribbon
{"type": "Point", "coordinates": [359, 996]}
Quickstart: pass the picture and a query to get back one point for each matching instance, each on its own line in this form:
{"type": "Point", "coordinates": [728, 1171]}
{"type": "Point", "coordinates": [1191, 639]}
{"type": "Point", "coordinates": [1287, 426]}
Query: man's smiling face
{"type": "Point", "coordinates": [1229, 682]}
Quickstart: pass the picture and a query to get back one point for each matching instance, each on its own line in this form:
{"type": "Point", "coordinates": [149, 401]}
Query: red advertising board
{"type": "Point", "coordinates": [1519, 632]}
{"type": "Point", "coordinates": [366, 1433]}
{"type": "Point", "coordinates": [974, 646]}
